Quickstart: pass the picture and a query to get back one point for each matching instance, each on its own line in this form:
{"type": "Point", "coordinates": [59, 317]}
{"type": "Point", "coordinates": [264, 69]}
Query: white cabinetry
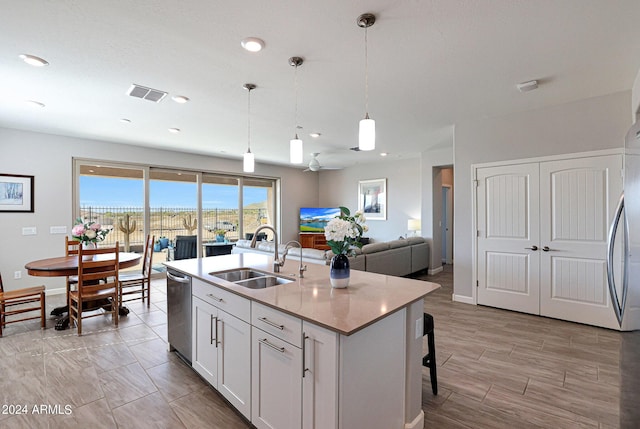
{"type": "Point", "coordinates": [222, 343]}
{"type": "Point", "coordinates": [276, 369]}
{"type": "Point", "coordinates": [320, 378]}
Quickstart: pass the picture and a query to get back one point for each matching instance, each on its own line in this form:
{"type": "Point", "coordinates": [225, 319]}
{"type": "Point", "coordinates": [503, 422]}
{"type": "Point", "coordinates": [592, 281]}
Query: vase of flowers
{"type": "Point", "coordinates": [343, 235]}
{"type": "Point", "coordinates": [88, 234]}
{"type": "Point", "coordinates": [220, 233]}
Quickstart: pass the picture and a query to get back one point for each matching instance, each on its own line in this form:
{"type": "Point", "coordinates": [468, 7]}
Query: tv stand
{"type": "Point", "coordinates": [313, 240]}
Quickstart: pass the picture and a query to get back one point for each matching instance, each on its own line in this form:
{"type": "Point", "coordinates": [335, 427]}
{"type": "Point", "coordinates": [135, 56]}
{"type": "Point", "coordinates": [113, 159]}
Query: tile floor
{"type": "Point", "coordinates": [496, 369]}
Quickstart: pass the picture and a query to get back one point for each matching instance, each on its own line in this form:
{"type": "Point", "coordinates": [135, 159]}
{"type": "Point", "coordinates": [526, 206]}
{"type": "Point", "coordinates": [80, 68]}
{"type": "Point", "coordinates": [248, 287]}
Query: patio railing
{"type": "Point", "coordinates": [170, 222]}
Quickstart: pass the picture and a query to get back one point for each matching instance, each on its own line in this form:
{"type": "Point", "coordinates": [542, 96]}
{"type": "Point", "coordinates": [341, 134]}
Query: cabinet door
{"type": "Point", "coordinates": [320, 378]}
{"type": "Point", "coordinates": [276, 397]}
{"type": "Point", "coordinates": [204, 348]}
{"type": "Point", "coordinates": [234, 362]}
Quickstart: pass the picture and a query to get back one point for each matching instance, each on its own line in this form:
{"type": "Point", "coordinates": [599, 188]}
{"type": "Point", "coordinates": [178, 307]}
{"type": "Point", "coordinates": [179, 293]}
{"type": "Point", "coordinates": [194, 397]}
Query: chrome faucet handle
{"type": "Point", "coordinates": [302, 269]}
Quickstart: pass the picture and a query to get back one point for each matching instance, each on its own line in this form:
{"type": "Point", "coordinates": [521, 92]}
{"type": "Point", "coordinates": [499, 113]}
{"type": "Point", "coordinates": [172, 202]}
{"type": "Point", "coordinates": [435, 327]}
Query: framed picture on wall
{"type": "Point", "coordinates": [372, 198]}
{"type": "Point", "coordinates": [16, 193]}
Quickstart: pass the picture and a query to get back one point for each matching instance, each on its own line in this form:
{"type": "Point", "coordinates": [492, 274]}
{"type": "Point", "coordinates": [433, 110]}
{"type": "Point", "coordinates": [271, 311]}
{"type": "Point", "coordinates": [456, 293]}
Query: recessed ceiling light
{"type": "Point", "coordinates": [383, 154]}
{"type": "Point", "coordinates": [252, 44]}
{"type": "Point", "coordinates": [92, 171]}
{"type": "Point", "coordinates": [315, 135]}
{"type": "Point", "coordinates": [174, 130]}
{"type": "Point", "coordinates": [180, 99]}
{"type": "Point", "coordinates": [32, 60]}
{"type": "Point", "coordinates": [34, 103]}
{"type": "Point", "coordinates": [125, 120]}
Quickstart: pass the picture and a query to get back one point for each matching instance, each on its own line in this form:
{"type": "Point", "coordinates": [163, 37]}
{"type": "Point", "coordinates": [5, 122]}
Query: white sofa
{"type": "Point", "coordinates": [397, 258]}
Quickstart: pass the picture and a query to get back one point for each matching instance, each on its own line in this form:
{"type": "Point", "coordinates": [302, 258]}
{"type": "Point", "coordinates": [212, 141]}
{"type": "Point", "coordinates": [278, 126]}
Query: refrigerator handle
{"type": "Point", "coordinates": [618, 307]}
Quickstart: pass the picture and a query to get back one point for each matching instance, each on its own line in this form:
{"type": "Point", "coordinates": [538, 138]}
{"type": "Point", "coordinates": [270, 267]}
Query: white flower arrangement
{"type": "Point", "coordinates": [343, 232]}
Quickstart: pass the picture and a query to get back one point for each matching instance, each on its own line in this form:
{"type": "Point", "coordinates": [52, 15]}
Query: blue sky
{"type": "Point", "coordinates": [101, 191]}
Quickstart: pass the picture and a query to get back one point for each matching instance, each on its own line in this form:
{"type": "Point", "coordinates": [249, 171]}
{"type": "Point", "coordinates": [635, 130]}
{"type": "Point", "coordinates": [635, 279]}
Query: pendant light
{"type": "Point", "coordinates": [295, 146]}
{"type": "Point", "coordinates": [367, 132]}
{"type": "Point", "coordinates": [248, 164]}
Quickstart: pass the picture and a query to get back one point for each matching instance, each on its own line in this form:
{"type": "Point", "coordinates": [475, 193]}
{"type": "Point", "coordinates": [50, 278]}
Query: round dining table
{"type": "Point", "coordinates": [63, 266]}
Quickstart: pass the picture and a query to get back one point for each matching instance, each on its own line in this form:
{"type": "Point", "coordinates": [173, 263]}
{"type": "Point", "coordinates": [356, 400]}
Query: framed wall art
{"type": "Point", "coordinates": [372, 198]}
{"type": "Point", "coordinates": [16, 193]}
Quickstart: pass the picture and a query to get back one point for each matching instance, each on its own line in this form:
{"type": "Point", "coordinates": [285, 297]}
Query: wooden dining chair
{"type": "Point", "coordinates": [138, 284]}
{"type": "Point", "coordinates": [71, 248]}
{"type": "Point", "coordinates": [97, 285]}
{"type": "Point", "coordinates": [16, 302]}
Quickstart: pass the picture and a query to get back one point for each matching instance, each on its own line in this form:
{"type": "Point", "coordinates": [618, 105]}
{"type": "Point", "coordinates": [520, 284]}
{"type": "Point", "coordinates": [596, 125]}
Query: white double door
{"type": "Point", "coordinates": [542, 237]}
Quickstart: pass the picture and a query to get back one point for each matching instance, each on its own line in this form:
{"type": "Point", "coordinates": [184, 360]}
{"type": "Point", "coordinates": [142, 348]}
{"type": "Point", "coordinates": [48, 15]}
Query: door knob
{"type": "Point", "coordinates": [534, 248]}
{"type": "Point", "coordinates": [546, 249]}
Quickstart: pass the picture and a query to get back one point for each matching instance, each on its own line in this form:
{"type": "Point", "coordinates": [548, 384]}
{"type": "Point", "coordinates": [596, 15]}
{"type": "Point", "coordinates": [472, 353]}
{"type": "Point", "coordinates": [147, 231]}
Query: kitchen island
{"type": "Point", "coordinates": [302, 354]}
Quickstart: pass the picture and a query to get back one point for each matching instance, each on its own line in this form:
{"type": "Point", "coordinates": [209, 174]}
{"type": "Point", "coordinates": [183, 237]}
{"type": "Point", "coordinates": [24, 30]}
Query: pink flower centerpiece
{"type": "Point", "coordinates": [88, 232]}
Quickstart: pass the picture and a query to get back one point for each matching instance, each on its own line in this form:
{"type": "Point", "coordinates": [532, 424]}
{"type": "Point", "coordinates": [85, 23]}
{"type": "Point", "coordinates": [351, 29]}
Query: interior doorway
{"type": "Point", "coordinates": [447, 225]}
{"type": "Point", "coordinates": [442, 212]}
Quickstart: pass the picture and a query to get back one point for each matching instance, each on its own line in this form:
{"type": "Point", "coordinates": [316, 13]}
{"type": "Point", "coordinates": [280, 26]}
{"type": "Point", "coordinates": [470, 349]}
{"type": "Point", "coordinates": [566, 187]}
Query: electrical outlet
{"type": "Point", "coordinates": [17, 275]}
{"type": "Point", "coordinates": [418, 328]}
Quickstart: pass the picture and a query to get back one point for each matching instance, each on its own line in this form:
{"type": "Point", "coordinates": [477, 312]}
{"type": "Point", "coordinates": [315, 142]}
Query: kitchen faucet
{"type": "Point", "coordinates": [277, 263]}
{"type": "Point", "coordinates": [301, 268]}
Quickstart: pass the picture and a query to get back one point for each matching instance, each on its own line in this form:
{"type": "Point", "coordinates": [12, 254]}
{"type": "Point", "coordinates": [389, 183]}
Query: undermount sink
{"type": "Point", "coordinates": [263, 282]}
{"type": "Point", "coordinates": [250, 278]}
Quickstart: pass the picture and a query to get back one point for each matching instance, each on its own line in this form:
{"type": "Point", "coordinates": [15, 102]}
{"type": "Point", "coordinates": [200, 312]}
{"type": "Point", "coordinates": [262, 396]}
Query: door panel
{"type": "Point", "coordinates": [234, 361]}
{"type": "Point", "coordinates": [508, 207]}
{"type": "Point", "coordinates": [579, 197]}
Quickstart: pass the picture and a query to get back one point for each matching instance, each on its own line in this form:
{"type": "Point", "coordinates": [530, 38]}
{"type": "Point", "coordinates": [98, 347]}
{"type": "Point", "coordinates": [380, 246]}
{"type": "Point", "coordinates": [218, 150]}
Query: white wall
{"type": "Point", "coordinates": [585, 125]}
{"type": "Point", "coordinates": [49, 159]}
{"type": "Point", "coordinates": [404, 184]}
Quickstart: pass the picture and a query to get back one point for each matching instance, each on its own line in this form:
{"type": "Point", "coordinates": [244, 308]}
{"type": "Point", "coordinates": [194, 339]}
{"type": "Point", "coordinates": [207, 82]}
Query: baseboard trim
{"type": "Point", "coordinates": [418, 422]}
{"type": "Point", "coordinates": [435, 270]}
{"type": "Point", "coordinates": [463, 299]}
{"type": "Point", "coordinates": [56, 291]}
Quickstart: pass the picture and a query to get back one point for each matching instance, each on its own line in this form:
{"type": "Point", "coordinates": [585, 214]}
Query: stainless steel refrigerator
{"type": "Point", "coordinates": [623, 270]}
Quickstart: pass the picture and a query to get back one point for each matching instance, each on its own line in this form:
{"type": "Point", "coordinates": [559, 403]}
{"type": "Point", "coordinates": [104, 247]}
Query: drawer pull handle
{"type": "Point", "coordinates": [274, 347]}
{"type": "Point", "coordinates": [215, 298]}
{"type": "Point", "coordinates": [270, 323]}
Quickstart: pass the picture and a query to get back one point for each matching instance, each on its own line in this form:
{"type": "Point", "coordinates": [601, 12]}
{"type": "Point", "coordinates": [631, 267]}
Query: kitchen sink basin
{"type": "Point", "coordinates": [250, 278]}
{"type": "Point", "coordinates": [263, 282]}
{"type": "Point", "coordinates": [239, 274]}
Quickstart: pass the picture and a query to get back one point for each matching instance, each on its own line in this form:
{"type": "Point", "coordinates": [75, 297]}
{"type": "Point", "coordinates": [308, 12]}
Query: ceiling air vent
{"type": "Point", "coordinates": [139, 91]}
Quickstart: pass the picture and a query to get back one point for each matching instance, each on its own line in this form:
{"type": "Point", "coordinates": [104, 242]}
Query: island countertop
{"type": "Point", "coordinates": [368, 298]}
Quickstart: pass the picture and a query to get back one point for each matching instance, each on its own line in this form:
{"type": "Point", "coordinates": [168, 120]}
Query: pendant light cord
{"type": "Point", "coordinates": [295, 85]}
{"type": "Point", "coordinates": [249, 121]}
{"type": "Point", "coordinates": [366, 73]}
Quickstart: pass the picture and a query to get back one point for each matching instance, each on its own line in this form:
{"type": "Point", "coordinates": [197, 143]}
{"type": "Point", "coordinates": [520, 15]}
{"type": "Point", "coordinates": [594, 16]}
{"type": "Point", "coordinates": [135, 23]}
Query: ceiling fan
{"type": "Point", "coordinates": [314, 164]}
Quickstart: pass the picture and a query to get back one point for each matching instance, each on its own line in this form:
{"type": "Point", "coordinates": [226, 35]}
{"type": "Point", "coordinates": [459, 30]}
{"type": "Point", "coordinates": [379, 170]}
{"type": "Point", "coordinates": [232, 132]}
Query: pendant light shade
{"type": "Point", "coordinates": [296, 152]}
{"type": "Point", "coordinates": [248, 160]}
{"type": "Point", "coordinates": [367, 132]}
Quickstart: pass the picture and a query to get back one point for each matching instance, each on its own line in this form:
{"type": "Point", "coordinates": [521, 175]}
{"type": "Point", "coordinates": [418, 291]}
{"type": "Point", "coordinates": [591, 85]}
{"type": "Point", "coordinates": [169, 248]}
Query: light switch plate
{"type": "Point", "coordinates": [29, 230]}
{"type": "Point", "coordinates": [57, 229]}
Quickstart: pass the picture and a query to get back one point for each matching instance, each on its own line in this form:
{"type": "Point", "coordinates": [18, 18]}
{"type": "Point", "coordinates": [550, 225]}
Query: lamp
{"type": "Point", "coordinates": [367, 132]}
{"type": "Point", "coordinates": [414, 225]}
{"type": "Point", "coordinates": [295, 145]}
{"type": "Point", "coordinates": [248, 164]}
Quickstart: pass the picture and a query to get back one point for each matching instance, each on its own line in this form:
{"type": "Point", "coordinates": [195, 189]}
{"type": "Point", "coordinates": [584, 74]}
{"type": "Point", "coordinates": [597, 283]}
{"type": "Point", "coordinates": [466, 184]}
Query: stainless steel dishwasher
{"type": "Point", "coordinates": [179, 313]}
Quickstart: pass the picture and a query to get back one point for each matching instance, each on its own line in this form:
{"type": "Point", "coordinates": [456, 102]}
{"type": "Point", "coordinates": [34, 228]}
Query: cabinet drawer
{"type": "Point", "coordinates": [223, 299]}
{"type": "Point", "coordinates": [277, 323]}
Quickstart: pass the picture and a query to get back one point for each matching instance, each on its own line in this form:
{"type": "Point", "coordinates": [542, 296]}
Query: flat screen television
{"type": "Point", "coordinates": [314, 219]}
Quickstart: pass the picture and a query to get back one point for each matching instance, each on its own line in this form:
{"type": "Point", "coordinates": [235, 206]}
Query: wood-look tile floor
{"type": "Point", "coordinates": [502, 369]}
{"type": "Point", "coordinates": [496, 369]}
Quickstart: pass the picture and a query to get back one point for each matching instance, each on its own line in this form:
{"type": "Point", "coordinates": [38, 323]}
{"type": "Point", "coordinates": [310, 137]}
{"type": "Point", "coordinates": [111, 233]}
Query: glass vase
{"type": "Point", "coordinates": [339, 271]}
